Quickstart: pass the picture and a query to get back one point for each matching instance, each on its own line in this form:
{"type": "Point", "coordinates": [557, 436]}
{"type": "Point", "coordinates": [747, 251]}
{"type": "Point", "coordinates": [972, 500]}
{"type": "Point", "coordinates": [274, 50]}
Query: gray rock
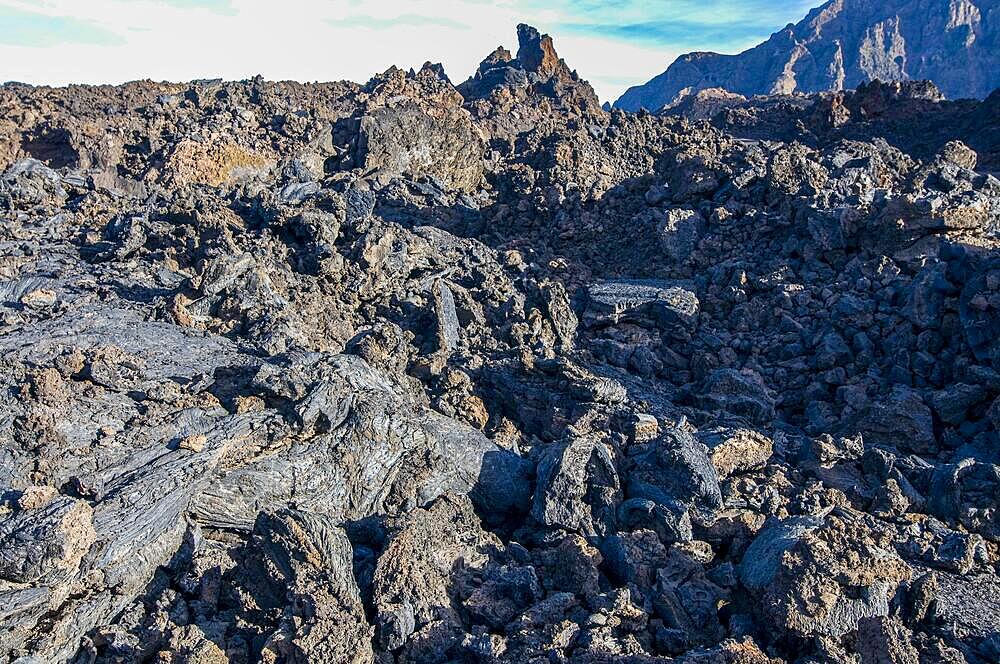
{"type": "Point", "coordinates": [504, 596]}
{"type": "Point", "coordinates": [448, 329]}
{"type": "Point", "coordinates": [968, 606]}
{"type": "Point", "coordinates": [670, 306]}
{"type": "Point", "coordinates": [980, 319]}
{"type": "Point", "coordinates": [833, 559]}
{"type": "Point", "coordinates": [966, 493]}
{"type": "Point", "coordinates": [296, 193]}
{"type": "Point", "coordinates": [901, 421]}
{"type": "Point", "coordinates": [882, 639]}
{"type": "Point", "coordinates": [43, 544]}
{"type": "Point", "coordinates": [959, 154]}
{"type": "Point", "coordinates": [425, 561]}
{"type": "Point", "coordinates": [927, 296]}
{"type": "Point", "coordinates": [762, 560]}
{"type": "Point", "coordinates": [739, 393]}
{"type": "Point", "coordinates": [29, 182]}
{"type": "Point", "coordinates": [952, 403]}
{"type": "Point", "coordinates": [679, 233]}
{"type": "Point", "coordinates": [634, 558]}
{"type": "Point", "coordinates": [671, 522]}
{"type": "Point", "coordinates": [687, 601]}
{"type": "Point", "coordinates": [675, 469]}
{"type": "Point", "coordinates": [578, 488]}
{"type": "Point", "coordinates": [307, 560]}
{"type": "Point", "coordinates": [406, 139]}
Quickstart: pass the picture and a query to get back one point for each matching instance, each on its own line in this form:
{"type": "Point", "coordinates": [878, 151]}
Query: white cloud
{"type": "Point", "coordinates": [304, 40]}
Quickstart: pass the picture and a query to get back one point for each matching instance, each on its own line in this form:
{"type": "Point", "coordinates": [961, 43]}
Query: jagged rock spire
{"type": "Point", "coordinates": [536, 53]}
{"type": "Point", "coordinates": [537, 69]}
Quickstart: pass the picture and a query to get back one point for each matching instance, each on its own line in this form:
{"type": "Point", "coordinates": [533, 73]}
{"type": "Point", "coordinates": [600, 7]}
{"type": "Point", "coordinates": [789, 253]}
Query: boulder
{"type": "Point", "coordinates": [570, 567]}
{"type": "Point", "coordinates": [414, 126]}
{"type": "Point", "coordinates": [578, 488]}
{"type": "Point", "coordinates": [902, 421]}
{"type": "Point", "coordinates": [740, 393]}
{"type": "Point", "coordinates": [967, 606]}
{"type": "Point", "coordinates": [883, 639]}
{"type": "Point", "coordinates": [306, 561]}
{"type": "Point", "coordinates": [734, 450]}
{"type": "Point", "coordinates": [679, 233]}
{"type": "Point", "coordinates": [670, 306]}
{"type": "Point", "coordinates": [675, 469]}
{"type": "Point", "coordinates": [687, 601]}
{"type": "Point", "coordinates": [953, 402]}
{"type": "Point", "coordinates": [821, 576]}
{"type": "Point", "coordinates": [965, 492]}
{"type": "Point", "coordinates": [29, 182]}
{"type": "Point", "coordinates": [422, 566]}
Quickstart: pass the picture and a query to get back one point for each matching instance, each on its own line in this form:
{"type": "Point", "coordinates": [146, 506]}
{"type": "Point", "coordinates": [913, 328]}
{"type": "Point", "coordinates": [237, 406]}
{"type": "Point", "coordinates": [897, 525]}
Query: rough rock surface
{"type": "Point", "coordinates": [840, 45]}
{"type": "Point", "coordinates": [404, 372]}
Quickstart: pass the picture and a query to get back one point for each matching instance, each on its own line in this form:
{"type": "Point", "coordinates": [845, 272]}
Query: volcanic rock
{"type": "Point", "coordinates": [410, 372]}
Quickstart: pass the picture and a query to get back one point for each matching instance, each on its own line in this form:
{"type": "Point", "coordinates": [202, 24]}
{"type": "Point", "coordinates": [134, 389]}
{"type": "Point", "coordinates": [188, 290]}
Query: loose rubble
{"type": "Point", "coordinates": [411, 372]}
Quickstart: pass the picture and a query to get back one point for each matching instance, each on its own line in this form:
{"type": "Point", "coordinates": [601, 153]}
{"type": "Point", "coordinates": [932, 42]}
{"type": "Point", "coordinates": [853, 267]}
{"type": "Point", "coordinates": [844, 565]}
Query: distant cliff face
{"type": "Point", "coordinates": [955, 43]}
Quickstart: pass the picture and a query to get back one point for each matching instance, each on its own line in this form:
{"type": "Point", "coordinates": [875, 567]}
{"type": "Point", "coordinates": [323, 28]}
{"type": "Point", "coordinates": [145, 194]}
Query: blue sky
{"type": "Point", "coordinates": [612, 44]}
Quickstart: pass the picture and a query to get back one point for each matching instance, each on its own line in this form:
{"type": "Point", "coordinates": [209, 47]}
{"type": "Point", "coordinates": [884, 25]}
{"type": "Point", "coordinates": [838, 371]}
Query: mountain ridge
{"type": "Point", "coordinates": [844, 43]}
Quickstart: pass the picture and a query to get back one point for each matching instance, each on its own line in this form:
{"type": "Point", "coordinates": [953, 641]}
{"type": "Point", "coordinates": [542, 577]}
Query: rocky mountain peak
{"type": "Point", "coordinates": [845, 43]}
{"type": "Point", "coordinates": [537, 72]}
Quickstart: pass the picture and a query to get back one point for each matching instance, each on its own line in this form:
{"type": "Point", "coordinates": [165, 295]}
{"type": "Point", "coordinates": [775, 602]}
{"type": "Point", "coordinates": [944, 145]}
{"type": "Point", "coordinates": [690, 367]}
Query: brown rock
{"type": "Point", "coordinates": [883, 640]}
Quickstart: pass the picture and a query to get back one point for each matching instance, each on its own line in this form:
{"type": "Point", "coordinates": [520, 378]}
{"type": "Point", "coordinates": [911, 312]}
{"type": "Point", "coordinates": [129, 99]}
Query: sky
{"type": "Point", "coordinates": [614, 45]}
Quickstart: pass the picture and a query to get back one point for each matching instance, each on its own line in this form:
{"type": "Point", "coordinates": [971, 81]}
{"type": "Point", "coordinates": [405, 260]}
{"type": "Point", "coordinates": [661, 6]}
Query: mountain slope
{"type": "Point", "coordinates": [845, 43]}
